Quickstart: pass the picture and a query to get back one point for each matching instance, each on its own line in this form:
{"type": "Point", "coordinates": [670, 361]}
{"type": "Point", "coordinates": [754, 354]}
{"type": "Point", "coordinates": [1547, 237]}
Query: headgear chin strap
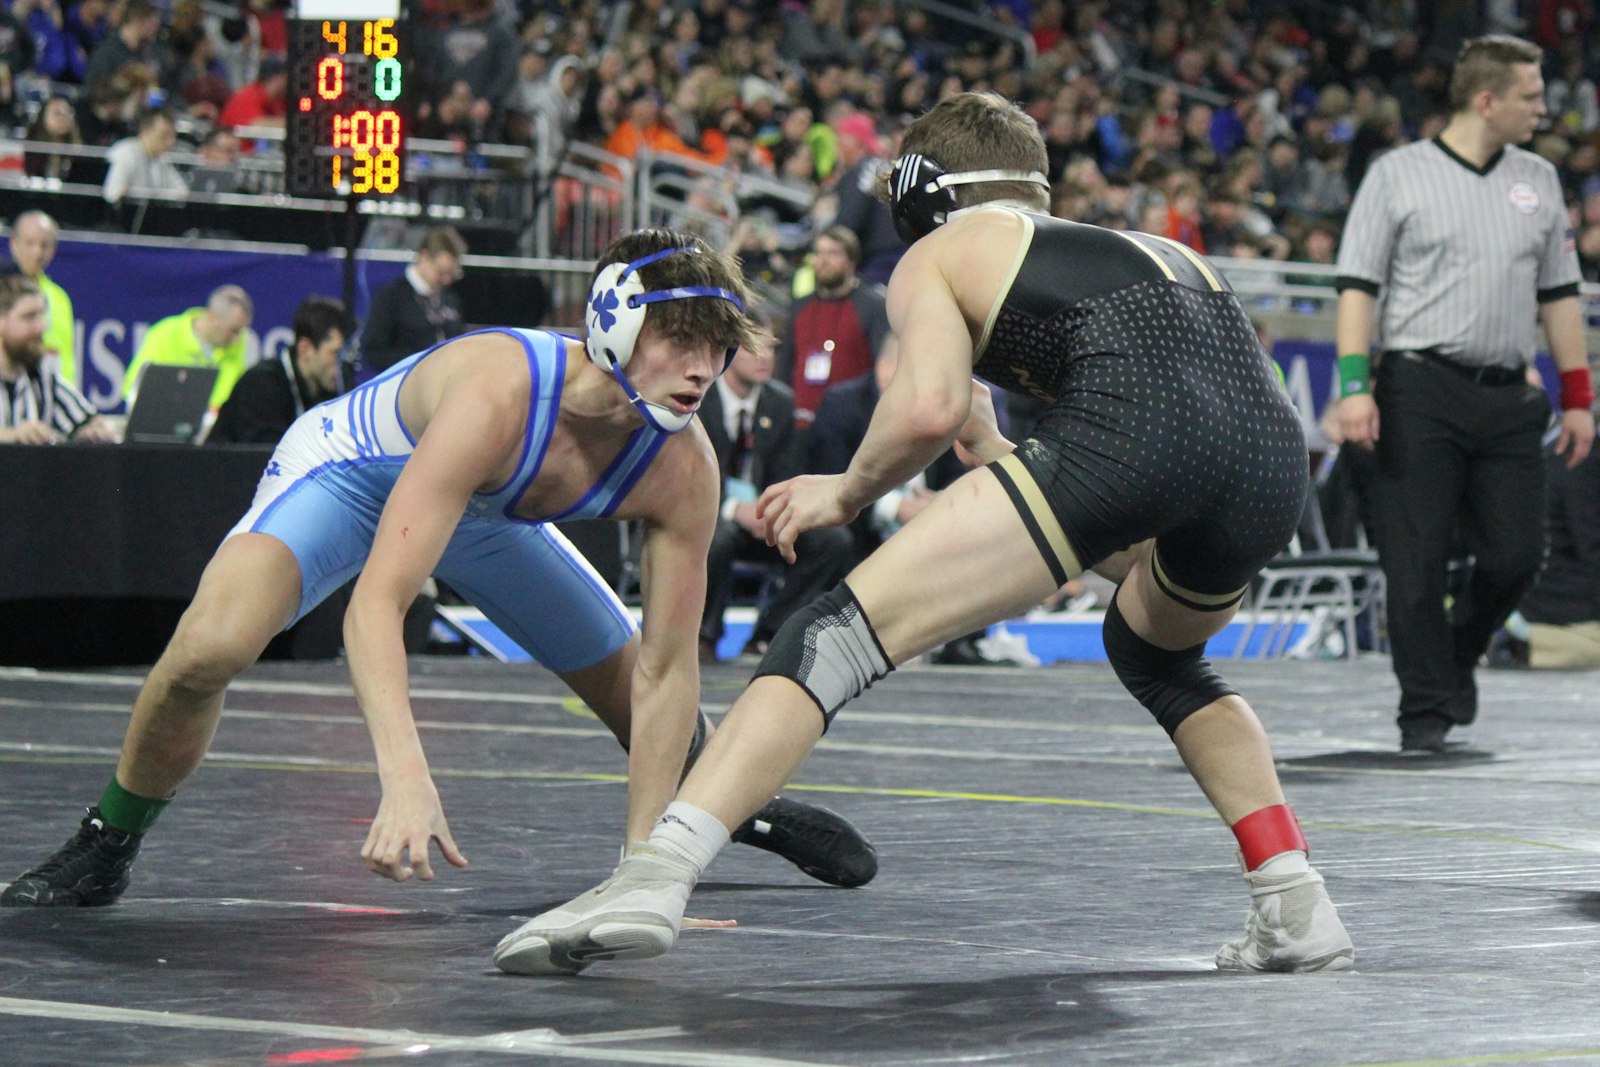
{"type": "Point", "coordinates": [618, 302]}
{"type": "Point", "coordinates": [921, 194]}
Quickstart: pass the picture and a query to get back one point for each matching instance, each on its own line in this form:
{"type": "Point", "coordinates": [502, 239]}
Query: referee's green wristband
{"type": "Point", "coordinates": [1355, 374]}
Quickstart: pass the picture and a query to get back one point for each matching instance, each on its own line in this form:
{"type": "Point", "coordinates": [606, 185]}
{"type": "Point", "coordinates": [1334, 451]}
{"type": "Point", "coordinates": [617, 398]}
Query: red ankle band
{"type": "Point", "coordinates": [1269, 832]}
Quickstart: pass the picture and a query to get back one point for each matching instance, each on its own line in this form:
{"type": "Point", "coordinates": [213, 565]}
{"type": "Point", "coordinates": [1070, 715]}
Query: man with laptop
{"type": "Point", "coordinates": [210, 336]}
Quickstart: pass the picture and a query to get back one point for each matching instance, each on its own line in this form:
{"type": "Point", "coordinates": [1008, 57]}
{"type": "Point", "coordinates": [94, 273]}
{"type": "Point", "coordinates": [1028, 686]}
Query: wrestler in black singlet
{"type": "Point", "coordinates": [1168, 419]}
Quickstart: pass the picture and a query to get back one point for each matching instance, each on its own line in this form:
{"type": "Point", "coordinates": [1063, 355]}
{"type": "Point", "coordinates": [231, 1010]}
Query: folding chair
{"type": "Point", "coordinates": [1313, 603]}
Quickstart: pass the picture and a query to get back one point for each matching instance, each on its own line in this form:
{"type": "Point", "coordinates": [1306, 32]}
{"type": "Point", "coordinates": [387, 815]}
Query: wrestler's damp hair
{"type": "Point", "coordinates": [980, 131]}
{"type": "Point", "coordinates": [717, 321]}
{"type": "Point", "coordinates": [1485, 63]}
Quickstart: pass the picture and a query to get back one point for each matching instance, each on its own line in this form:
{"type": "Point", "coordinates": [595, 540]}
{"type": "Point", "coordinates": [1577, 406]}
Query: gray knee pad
{"type": "Point", "coordinates": [828, 649]}
{"type": "Point", "coordinates": [1173, 685]}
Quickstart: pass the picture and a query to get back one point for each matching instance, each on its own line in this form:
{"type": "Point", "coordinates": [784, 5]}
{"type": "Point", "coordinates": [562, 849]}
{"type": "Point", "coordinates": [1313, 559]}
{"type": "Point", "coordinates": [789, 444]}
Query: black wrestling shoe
{"type": "Point", "coordinates": [89, 871]}
{"type": "Point", "coordinates": [822, 844]}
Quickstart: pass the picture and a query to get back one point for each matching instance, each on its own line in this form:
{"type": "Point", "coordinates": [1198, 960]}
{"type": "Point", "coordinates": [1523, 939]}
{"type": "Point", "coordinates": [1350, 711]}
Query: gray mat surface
{"type": "Point", "coordinates": [1053, 884]}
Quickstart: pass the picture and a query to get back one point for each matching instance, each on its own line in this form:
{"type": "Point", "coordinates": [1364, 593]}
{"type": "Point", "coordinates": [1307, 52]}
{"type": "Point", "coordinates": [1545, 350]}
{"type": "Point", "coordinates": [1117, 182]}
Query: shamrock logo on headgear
{"type": "Point", "coordinates": [604, 304]}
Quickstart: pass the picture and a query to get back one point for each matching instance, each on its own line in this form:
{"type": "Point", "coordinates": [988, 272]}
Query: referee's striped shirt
{"type": "Point", "coordinates": [1464, 255]}
{"type": "Point", "coordinates": [41, 395]}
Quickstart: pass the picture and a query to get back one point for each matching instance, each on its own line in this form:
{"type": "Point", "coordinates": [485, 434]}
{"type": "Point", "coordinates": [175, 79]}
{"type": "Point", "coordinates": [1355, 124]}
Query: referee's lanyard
{"type": "Point", "coordinates": [294, 383]}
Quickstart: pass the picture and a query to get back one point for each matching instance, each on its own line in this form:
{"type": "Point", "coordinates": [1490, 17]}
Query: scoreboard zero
{"type": "Point", "coordinates": [347, 124]}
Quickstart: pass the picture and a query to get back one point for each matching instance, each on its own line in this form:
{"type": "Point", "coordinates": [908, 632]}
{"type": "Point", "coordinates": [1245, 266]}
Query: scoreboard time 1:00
{"type": "Point", "coordinates": [346, 125]}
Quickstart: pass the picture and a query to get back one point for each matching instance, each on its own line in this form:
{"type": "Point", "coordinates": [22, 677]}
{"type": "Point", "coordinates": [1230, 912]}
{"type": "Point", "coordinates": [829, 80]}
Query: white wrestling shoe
{"type": "Point", "coordinates": [633, 915]}
{"type": "Point", "coordinates": [1293, 927]}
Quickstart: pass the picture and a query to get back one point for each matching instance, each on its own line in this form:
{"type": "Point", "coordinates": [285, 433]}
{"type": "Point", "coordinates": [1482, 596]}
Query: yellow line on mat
{"type": "Point", "coordinates": [876, 791]}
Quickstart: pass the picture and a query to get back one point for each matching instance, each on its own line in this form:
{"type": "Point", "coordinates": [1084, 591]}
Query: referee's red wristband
{"type": "Point", "coordinates": [1577, 390]}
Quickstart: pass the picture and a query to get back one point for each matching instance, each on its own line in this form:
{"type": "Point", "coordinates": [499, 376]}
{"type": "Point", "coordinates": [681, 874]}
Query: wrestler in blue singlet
{"type": "Point", "coordinates": [326, 485]}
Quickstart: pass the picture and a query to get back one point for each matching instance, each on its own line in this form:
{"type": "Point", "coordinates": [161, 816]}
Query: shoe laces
{"type": "Point", "coordinates": [94, 842]}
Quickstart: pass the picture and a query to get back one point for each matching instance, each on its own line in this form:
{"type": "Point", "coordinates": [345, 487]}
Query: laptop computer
{"type": "Point", "coordinates": [171, 404]}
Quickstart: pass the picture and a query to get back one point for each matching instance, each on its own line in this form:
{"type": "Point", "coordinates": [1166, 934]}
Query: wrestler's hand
{"type": "Point", "coordinates": [811, 501]}
{"type": "Point", "coordinates": [1577, 433]}
{"type": "Point", "coordinates": [980, 441]}
{"type": "Point", "coordinates": [1358, 420]}
{"type": "Point", "coordinates": [408, 819]}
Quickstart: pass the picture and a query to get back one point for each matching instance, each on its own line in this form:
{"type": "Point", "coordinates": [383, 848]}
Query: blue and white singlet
{"type": "Point", "coordinates": [328, 480]}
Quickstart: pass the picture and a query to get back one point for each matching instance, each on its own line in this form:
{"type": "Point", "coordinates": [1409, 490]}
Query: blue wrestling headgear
{"type": "Point", "coordinates": [921, 194]}
{"type": "Point", "coordinates": [617, 305]}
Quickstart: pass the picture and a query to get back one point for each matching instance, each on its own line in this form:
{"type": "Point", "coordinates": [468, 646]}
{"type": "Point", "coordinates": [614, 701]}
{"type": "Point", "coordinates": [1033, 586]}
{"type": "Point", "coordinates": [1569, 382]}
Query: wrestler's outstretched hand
{"type": "Point", "coordinates": [408, 820]}
{"type": "Point", "coordinates": [809, 502]}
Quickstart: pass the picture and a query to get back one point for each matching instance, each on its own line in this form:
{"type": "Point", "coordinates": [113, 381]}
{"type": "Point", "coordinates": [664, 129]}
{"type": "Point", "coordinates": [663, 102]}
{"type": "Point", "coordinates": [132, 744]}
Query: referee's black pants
{"type": "Point", "coordinates": [1456, 458]}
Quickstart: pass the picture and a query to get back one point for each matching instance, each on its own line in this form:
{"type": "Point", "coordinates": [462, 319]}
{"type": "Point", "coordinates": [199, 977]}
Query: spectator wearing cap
{"type": "Point", "coordinates": [261, 103]}
{"type": "Point", "coordinates": [860, 210]}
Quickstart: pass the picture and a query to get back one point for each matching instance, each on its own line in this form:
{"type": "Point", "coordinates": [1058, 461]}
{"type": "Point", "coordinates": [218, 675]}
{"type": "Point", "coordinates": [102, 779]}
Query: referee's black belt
{"type": "Point", "coordinates": [1481, 375]}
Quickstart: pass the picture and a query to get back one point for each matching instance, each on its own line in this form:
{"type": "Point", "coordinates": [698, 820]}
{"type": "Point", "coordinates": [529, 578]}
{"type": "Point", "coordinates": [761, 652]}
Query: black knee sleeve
{"type": "Point", "coordinates": [828, 649]}
{"type": "Point", "coordinates": [1172, 685]}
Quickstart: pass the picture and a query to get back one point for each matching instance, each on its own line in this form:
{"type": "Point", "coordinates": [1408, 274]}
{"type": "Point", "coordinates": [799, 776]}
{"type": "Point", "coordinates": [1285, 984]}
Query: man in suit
{"type": "Point", "coordinates": [417, 310]}
{"type": "Point", "coordinates": [750, 420]}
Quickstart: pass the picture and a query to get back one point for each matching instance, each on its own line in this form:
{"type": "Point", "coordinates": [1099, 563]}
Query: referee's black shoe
{"type": "Point", "coordinates": [88, 871]}
{"type": "Point", "coordinates": [820, 843]}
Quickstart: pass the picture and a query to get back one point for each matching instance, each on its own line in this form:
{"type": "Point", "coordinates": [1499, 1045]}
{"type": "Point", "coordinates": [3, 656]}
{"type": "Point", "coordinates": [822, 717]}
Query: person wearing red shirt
{"type": "Point", "coordinates": [834, 334]}
{"type": "Point", "coordinates": [262, 102]}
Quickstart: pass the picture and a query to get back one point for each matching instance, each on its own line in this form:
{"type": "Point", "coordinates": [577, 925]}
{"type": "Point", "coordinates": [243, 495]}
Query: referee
{"type": "Point", "coordinates": [1468, 234]}
{"type": "Point", "coordinates": [37, 405]}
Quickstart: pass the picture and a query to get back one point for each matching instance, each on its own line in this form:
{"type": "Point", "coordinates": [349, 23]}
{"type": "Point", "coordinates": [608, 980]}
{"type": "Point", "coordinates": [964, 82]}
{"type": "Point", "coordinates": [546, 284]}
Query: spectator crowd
{"type": "Point", "coordinates": [1240, 128]}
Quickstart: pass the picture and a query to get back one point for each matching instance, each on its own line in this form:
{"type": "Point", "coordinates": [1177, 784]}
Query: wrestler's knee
{"type": "Point", "coordinates": [829, 649]}
{"type": "Point", "coordinates": [1171, 684]}
{"type": "Point", "coordinates": [209, 650]}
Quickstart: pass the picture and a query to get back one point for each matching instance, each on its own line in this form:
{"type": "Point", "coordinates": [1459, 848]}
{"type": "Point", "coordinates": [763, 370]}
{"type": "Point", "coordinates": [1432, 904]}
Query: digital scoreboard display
{"type": "Point", "coordinates": [347, 114]}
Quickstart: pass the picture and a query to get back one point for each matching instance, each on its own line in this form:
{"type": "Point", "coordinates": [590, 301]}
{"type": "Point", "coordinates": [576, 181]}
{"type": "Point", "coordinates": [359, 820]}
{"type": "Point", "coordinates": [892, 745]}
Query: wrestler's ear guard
{"type": "Point", "coordinates": [615, 314]}
{"type": "Point", "coordinates": [922, 194]}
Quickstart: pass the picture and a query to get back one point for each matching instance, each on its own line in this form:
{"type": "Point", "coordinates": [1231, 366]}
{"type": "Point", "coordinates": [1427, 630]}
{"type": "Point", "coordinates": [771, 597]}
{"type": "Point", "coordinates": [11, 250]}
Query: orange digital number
{"type": "Point", "coordinates": [377, 41]}
{"type": "Point", "coordinates": [330, 78]}
{"type": "Point", "coordinates": [380, 172]}
{"type": "Point", "coordinates": [334, 38]}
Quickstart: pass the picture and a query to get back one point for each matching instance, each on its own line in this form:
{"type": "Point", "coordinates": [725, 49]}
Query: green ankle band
{"type": "Point", "coordinates": [125, 811]}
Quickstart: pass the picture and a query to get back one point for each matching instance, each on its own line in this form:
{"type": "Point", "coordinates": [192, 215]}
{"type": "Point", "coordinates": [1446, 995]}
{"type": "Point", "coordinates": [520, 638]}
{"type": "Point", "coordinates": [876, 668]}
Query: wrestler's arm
{"type": "Point", "coordinates": [928, 400]}
{"type": "Point", "coordinates": [916, 418]}
{"type": "Point", "coordinates": [680, 512]}
{"type": "Point", "coordinates": [475, 424]}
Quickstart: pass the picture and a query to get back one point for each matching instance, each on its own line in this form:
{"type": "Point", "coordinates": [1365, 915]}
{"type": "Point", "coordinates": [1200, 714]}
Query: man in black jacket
{"type": "Point", "coordinates": [278, 390]}
{"type": "Point", "coordinates": [418, 310]}
{"type": "Point", "coordinates": [750, 420]}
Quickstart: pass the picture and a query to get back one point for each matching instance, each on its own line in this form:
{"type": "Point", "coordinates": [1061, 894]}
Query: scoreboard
{"type": "Point", "coordinates": [347, 115]}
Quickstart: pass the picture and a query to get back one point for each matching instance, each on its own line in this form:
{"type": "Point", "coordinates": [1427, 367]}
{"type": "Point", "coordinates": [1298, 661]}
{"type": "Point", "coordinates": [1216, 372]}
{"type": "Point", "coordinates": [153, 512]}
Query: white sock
{"type": "Point", "coordinates": [689, 834]}
{"type": "Point", "coordinates": [1286, 863]}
